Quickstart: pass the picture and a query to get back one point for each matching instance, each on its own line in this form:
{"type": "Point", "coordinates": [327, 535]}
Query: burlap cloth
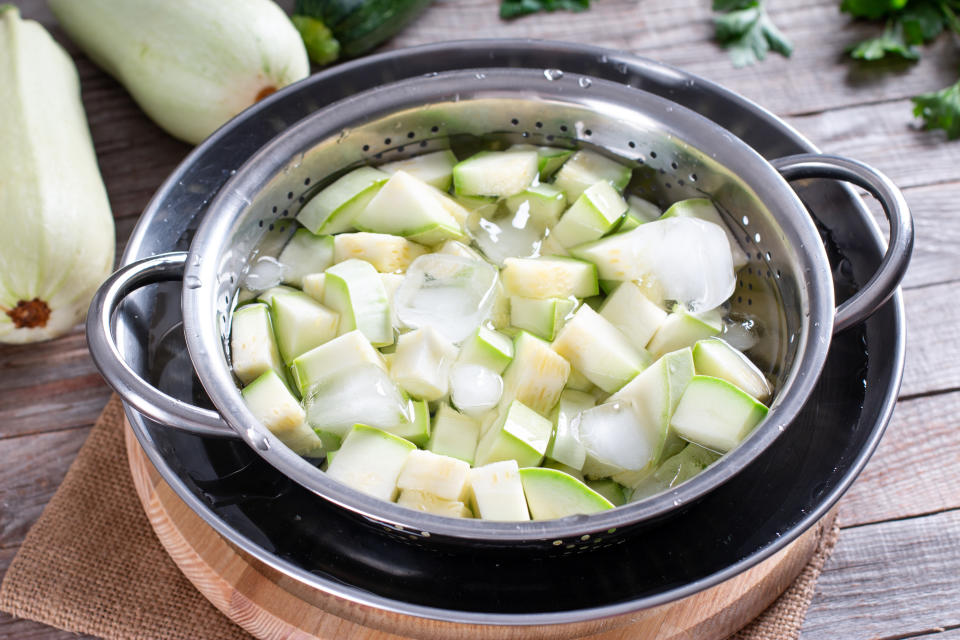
{"type": "Point", "coordinates": [91, 564]}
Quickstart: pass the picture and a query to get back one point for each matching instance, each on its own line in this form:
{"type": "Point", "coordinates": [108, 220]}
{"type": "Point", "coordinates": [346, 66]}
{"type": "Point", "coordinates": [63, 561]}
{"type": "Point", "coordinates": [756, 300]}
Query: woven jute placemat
{"type": "Point", "coordinates": [92, 564]}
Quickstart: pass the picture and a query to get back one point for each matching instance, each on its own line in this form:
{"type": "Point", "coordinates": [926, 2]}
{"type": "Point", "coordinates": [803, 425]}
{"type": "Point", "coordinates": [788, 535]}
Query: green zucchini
{"type": "Point", "coordinates": [333, 29]}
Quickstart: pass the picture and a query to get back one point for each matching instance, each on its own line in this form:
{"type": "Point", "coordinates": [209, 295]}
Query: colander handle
{"type": "Point", "coordinates": [136, 391]}
{"type": "Point", "coordinates": [885, 281]}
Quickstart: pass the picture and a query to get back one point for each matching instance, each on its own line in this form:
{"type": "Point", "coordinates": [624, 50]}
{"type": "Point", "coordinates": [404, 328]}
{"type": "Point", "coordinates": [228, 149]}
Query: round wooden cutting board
{"type": "Point", "coordinates": [269, 605]}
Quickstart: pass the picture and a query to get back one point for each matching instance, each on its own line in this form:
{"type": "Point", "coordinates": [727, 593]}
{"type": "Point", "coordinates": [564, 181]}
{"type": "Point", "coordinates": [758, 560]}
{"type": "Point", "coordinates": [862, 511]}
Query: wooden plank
{"type": "Point", "coordinates": [816, 78]}
{"type": "Point", "coordinates": [886, 136]}
{"type": "Point", "coordinates": [32, 469]}
{"type": "Point", "coordinates": [933, 344]}
{"type": "Point", "coordinates": [936, 254]}
{"type": "Point", "coordinates": [915, 470]}
{"type": "Point", "coordinates": [48, 386]}
{"type": "Point", "coordinates": [889, 580]}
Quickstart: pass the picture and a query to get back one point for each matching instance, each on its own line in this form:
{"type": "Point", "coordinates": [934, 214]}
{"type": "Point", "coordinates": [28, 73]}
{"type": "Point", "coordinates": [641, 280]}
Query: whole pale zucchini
{"type": "Point", "coordinates": [191, 65]}
{"type": "Point", "coordinates": [56, 229]}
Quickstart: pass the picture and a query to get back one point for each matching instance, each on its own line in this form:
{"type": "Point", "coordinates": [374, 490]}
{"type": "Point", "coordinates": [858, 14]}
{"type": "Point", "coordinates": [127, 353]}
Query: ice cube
{"type": "Point", "coordinates": [509, 236]}
{"type": "Point", "coordinates": [475, 389]}
{"type": "Point", "coordinates": [687, 259]}
{"type": "Point", "coordinates": [452, 294]}
{"type": "Point", "coordinates": [363, 394]}
{"type": "Point", "coordinates": [264, 273]}
{"type": "Point", "coordinates": [740, 334]}
{"type": "Point", "coordinates": [615, 435]}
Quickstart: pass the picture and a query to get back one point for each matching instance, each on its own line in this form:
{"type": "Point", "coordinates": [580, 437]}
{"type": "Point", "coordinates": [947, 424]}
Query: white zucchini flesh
{"type": "Point", "coordinates": [496, 492]}
{"type": "Point", "coordinates": [57, 243]}
{"type": "Point", "coordinates": [714, 357]}
{"type": "Point", "coordinates": [454, 434]}
{"type": "Point", "coordinates": [191, 66]}
{"type": "Point", "coordinates": [599, 350]}
{"type": "Point", "coordinates": [594, 214]}
{"type": "Point", "coordinates": [331, 359]}
{"type": "Point", "coordinates": [496, 173]}
{"type": "Point", "coordinates": [387, 253]}
{"type": "Point", "coordinates": [683, 329]}
{"type": "Point", "coordinates": [586, 168]}
{"type": "Point", "coordinates": [370, 460]}
{"type": "Point", "coordinates": [442, 476]}
{"type": "Point", "coordinates": [429, 503]}
{"type": "Point", "coordinates": [436, 169]}
{"type": "Point", "coordinates": [253, 346]}
{"type": "Point", "coordinates": [536, 375]}
{"type": "Point", "coordinates": [271, 403]}
{"type": "Point", "coordinates": [549, 277]}
{"type": "Point", "coordinates": [300, 323]}
{"type": "Point", "coordinates": [406, 206]}
{"type": "Point", "coordinates": [565, 446]}
{"type": "Point", "coordinates": [421, 363]}
{"type": "Point", "coordinates": [633, 313]}
{"type": "Point", "coordinates": [487, 348]}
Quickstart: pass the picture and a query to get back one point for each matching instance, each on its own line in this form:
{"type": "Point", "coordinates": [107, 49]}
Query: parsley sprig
{"type": "Point", "coordinates": [516, 8]}
{"type": "Point", "coordinates": [747, 32]}
{"type": "Point", "coordinates": [907, 25]}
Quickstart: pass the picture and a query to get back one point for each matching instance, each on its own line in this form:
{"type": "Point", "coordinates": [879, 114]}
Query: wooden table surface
{"type": "Point", "coordinates": [896, 570]}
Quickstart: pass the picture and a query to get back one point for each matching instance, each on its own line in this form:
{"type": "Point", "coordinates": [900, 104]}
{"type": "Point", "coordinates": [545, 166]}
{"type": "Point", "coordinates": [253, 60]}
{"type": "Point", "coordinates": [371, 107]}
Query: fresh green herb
{"type": "Point", "coordinates": [940, 110]}
{"type": "Point", "coordinates": [516, 8]}
{"type": "Point", "coordinates": [907, 25]}
{"type": "Point", "coordinates": [747, 32]}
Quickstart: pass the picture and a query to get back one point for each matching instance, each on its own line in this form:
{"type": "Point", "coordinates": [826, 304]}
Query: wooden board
{"type": "Point", "coordinates": [251, 595]}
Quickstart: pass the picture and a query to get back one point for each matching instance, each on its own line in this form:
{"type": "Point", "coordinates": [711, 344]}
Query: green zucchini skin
{"type": "Point", "coordinates": [361, 25]}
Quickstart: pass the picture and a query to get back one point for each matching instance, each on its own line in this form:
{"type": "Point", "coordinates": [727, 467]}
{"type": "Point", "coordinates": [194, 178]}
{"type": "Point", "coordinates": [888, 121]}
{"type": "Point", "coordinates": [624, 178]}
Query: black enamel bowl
{"type": "Point", "coordinates": [322, 548]}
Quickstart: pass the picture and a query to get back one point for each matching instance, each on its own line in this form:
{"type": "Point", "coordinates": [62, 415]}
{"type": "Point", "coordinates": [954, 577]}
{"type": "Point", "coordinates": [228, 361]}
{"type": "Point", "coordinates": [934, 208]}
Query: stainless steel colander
{"type": "Point", "coordinates": [786, 288]}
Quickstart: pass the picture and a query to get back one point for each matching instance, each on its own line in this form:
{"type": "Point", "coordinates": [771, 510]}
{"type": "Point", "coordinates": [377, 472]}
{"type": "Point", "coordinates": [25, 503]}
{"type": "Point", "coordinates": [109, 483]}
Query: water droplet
{"type": "Point", "coordinates": [196, 260]}
{"type": "Point", "coordinates": [622, 68]}
{"type": "Point", "coordinates": [585, 82]}
{"type": "Point", "coordinates": [480, 76]}
{"type": "Point", "coordinates": [677, 502]}
{"type": "Point", "coordinates": [192, 282]}
{"type": "Point", "coordinates": [604, 59]}
{"type": "Point", "coordinates": [552, 74]}
{"type": "Point", "coordinates": [262, 444]}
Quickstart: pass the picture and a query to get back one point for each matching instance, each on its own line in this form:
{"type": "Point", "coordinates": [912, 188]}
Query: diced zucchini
{"type": "Point", "coordinates": [370, 460]}
{"type": "Point", "coordinates": [544, 203]}
{"type": "Point", "coordinates": [454, 434]}
{"type": "Point", "coordinates": [678, 468]}
{"type": "Point", "coordinates": [595, 213]}
{"type": "Point", "coordinates": [305, 253]}
{"type": "Point", "coordinates": [429, 503]}
{"type": "Point", "coordinates": [549, 277]}
{"type": "Point", "coordinates": [610, 489]}
{"type": "Point", "coordinates": [550, 159]}
{"type": "Point", "coordinates": [332, 359]}
{"type": "Point", "coordinates": [421, 364]}
{"type": "Point", "coordinates": [543, 317]}
{"type": "Point", "coordinates": [301, 323]}
{"type": "Point", "coordinates": [253, 346]}
{"type": "Point", "coordinates": [457, 248]}
{"type": "Point", "coordinates": [633, 314]}
{"type": "Point", "coordinates": [496, 492]}
{"type": "Point", "coordinates": [313, 285]}
{"type": "Point", "coordinates": [565, 446]}
{"type": "Point", "coordinates": [567, 469]}
{"type": "Point", "coordinates": [579, 382]}
{"type": "Point", "coordinates": [599, 350]}
{"type": "Point", "coordinates": [280, 290]}
{"type": "Point", "coordinates": [387, 253]}
{"type": "Point", "coordinates": [535, 376]}
{"type": "Point", "coordinates": [436, 169]}
{"type": "Point", "coordinates": [586, 168]}
{"type": "Point", "coordinates": [551, 247]}
{"type": "Point", "coordinates": [335, 207]}
{"type": "Point", "coordinates": [495, 173]}
{"type": "Point", "coordinates": [487, 348]}
{"type": "Point", "coordinates": [416, 429]}
{"type": "Point", "coordinates": [715, 414]}
{"type": "Point", "coordinates": [406, 206]}
{"type": "Point", "coordinates": [642, 210]}
{"type": "Point", "coordinates": [704, 209]}
{"type": "Point", "coordinates": [353, 289]}
{"type": "Point", "coordinates": [553, 494]}
{"type": "Point", "coordinates": [714, 357]}
{"type": "Point", "coordinates": [271, 402]}
{"type": "Point", "coordinates": [521, 434]}
{"type": "Point", "coordinates": [442, 476]}
{"type": "Point", "coordinates": [683, 329]}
